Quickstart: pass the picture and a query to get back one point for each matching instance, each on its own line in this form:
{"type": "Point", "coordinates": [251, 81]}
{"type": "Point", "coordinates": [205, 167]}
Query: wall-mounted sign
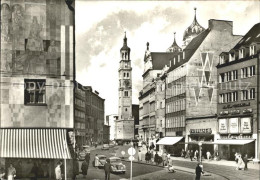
{"type": "Point", "coordinates": [201, 131]}
{"type": "Point", "coordinates": [235, 111]}
{"type": "Point", "coordinates": [222, 126]}
{"type": "Point", "coordinates": [223, 113]}
{"type": "Point", "coordinates": [246, 111]}
{"type": "Point", "coordinates": [236, 105]}
{"type": "Point", "coordinates": [246, 125]}
{"type": "Point", "coordinates": [233, 125]}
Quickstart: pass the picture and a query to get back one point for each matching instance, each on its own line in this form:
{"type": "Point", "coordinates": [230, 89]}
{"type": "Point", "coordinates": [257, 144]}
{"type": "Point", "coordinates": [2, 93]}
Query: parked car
{"type": "Point", "coordinates": [117, 165]}
{"type": "Point", "coordinates": [82, 153]}
{"type": "Point", "coordinates": [105, 147]}
{"type": "Point", "coordinates": [101, 162]}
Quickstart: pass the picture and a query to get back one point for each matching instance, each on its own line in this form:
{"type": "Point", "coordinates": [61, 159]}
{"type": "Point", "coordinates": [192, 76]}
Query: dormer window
{"type": "Point", "coordinates": [221, 59]}
{"type": "Point", "coordinates": [231, 56]}
{"type": "Point", "coordinates": [183, 55]}
{"type": "Point", "coordinates": [241, 53]}
{"type": "Point", "coordinates": [179, 58]}
{"type": "Point", "coordinates": [252, 50]}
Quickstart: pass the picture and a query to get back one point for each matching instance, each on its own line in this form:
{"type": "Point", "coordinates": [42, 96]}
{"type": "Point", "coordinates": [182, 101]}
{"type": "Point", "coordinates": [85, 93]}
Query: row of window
{"type": "Point", "coordinates": [233, 75]}
{"type": "Point", "coordinates": [175, 122]}
{"type": "Point", "coordinates": [233, 96]}
{"type": "Point", "coordinates": [79, 114]}
{"type": "Point", "coordinates": [79, 125]}
{"type": "Point", "coordinates": [79, 102]}
{"type": "Point", "coordinates": [175, 106]}
{"type": "Point", "coordinates": [176, 90]}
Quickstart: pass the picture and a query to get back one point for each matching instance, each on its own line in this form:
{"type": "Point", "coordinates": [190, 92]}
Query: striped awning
{"type": "Point", "coordinates": [34, 143]}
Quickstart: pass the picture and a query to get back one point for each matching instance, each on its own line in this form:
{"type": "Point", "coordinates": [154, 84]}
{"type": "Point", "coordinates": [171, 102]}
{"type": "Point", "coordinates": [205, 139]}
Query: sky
{"type": "Point", "coordinates": [100, 27]}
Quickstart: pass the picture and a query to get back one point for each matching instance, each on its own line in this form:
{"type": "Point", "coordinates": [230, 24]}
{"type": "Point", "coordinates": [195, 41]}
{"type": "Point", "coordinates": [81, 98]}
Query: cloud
{"type": "Point", "coordinates": [100, 30]}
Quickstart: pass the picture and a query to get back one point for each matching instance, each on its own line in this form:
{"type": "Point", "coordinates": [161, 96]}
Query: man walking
{"type": "Point", "coordinates": [245, 161]}
{"type": "Point", "coordinates": [191, 155]}
{"type": "Point", "coordinates": [107, 168]}
{"type": "Point", "coordinates": [198, 171]}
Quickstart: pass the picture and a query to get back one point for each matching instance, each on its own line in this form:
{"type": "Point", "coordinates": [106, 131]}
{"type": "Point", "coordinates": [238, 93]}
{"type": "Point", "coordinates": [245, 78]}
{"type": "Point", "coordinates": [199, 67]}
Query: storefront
{"type": "Point", "coordinates": [172, 145]}
{"type": "Point", "coordinates": [201, 131]}
{"type": "Point", "coordinates": [26, 148]}
{"type": "Point", "coordinates": [235, 136]}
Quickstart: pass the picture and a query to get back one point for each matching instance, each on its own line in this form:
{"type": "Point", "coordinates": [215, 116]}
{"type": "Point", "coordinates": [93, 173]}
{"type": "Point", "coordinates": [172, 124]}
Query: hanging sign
{"type": "Point", "coordinates": [246, 125]}
{"type": "Point", "coordinates": [233, 125]}
{"type": "Point", "coordinates": [222, 126]}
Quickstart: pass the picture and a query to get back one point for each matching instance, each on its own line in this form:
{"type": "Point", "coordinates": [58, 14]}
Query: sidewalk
{"type": "Point", "coordinates": [221, 162]}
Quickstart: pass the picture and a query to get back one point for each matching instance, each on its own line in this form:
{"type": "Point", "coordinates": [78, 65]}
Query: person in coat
{"type": "Point", "coordinates": [87, 157]}
{"type": "Point", "coordinates": [75, 168]}
{"type": "Point", "coordinates": [11, 172]}
{"type": "Point", "coordinates": [156, 158]}
{"type": "Point", "coordinates": [58, 171]}
{"type": "Point", "coordinates": [198, 171]}
{"type": "Point", "coordinates": [34, 171]}
{"type": "Point", "coordinates": [139, 155]}
{"type": "Point", "coordinates": [147, 157]}
{"type": "Point", "coordinates": [164, 158]}
{"type": "Point", "coordinates": [191, 155]}
{"type": "Point", "coordinates": [84, 168]}
{"type": "Point", "coordinates": [96, 161]}
{"type": "Point", "coordinates": [188, 154]}
{"type": "Point", "coordinates": [108, 169]}
{"type": "Point", "coordinates": [245, 161]}
{"type": "Point", "coordinates": [208, 155]}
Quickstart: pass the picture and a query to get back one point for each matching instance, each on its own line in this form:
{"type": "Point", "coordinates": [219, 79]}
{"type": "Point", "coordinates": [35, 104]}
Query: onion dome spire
{"type": "Point", "coordinates": [125, 47]}
{"type": "Point", "coordinates": [174, 47]}
{"type": "Point", "coordinates": [194, 29]}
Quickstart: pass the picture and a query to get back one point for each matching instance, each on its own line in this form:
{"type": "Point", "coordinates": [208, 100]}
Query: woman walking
{"type": "Point", "coordinates": [11, 172]}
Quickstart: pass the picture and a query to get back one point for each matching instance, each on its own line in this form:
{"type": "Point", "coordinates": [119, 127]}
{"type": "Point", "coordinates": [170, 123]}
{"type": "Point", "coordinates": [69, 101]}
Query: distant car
{"type": "Point", "coordinates": [117, 165]}
{"type": "Point", "coordinates": [105, 147]}
{"type": "Point", "coordinates": [101, 161]}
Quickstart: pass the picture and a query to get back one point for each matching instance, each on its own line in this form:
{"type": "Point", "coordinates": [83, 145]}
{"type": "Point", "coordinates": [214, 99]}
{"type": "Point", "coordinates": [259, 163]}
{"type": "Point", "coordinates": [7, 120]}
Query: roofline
{"type": "Point", "coordinates": [221, 20]}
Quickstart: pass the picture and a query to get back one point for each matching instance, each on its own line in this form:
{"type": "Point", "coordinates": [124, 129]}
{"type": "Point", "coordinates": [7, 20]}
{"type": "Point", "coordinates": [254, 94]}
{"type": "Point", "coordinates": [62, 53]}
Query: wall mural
{"type": "Point", "coordinates": [26, 46]}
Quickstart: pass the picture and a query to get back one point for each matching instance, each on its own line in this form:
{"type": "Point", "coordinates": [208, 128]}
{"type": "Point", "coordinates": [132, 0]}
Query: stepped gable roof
{"type": "Point", "coordinates": [190, 49]}
{"type": "Point", "coordinates": [194, 29]}
{"type": "Point", "coordinates": [253, 35]}
{"type": "Point", "coordinates": [125, 47]}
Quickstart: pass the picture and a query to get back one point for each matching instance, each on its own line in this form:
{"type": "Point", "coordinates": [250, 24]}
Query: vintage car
{"type": "Point", "coordinates": [101, 161]}
{"type": "Point", "coordinates": [117, 165]}
{"type": "Point", "coordinates": [82, 153]}
{"type": "Point", "coordinates": [105, 147]}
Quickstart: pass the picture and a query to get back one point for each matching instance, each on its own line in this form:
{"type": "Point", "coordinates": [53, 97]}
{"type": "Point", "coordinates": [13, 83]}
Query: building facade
{"type": "Point", "coordinates": [37, 73]}
{"type": "Point", "coordinates": [238, 97]}
{"type": "Point", "coordinates": [111, 121]}
{"type": "Point", "coordinates": [125, 122]}
{"type": "Point", "coordinates": [95, 116]}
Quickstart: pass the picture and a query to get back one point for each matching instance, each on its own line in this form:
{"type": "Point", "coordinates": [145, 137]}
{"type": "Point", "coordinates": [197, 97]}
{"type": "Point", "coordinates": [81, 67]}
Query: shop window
{"type": "Point", "coordinates": [34, 93]}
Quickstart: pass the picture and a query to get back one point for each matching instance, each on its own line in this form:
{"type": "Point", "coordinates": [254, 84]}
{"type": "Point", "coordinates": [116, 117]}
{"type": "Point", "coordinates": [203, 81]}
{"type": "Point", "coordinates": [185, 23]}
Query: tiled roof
{"type": "Point", "coordinates": [253, 35]}
{"type": "Point", "coordinates": [160, 59]}
{"type": "Point", "coordinates": [189, 50]}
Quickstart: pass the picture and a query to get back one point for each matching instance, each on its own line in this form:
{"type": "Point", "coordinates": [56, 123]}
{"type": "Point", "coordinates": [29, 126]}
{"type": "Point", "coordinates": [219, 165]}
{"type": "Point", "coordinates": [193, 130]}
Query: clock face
{"type": "Point", "coordinates": [127, 83]}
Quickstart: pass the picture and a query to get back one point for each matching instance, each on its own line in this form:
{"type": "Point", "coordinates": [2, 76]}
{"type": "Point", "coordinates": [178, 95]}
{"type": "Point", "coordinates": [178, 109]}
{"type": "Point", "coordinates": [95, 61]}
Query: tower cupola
{"type": "Point", "coordinates": [174, 47]}
{"type": "Point", "coordinates": [125, 50]}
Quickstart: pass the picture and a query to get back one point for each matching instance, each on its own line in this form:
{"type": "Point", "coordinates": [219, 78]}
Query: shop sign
{"type": "Point", "coordinates": [246, 111]}
{"type": "Point", "coordinates": [236, 105]}
{"type": "Point", "coordinates": [246, 125]}
{"type": "Point", "coordinates": [201, 131]}
{"type": "Point", "coordinates": [224, 113]}
{"type": "Point", "coordinates": [236, 111]}
{"type": "Point", "coordinates": [233, 125]}
{"type": "Point", "coordinates": [222, 125]}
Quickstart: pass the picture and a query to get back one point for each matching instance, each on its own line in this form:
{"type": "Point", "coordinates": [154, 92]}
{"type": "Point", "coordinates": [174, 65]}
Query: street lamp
{"type": "Point", "coordinates": [200, 144]}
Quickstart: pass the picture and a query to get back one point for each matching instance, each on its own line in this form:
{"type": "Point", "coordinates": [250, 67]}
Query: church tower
{"type": "Point", "coordinates": [125, 123]}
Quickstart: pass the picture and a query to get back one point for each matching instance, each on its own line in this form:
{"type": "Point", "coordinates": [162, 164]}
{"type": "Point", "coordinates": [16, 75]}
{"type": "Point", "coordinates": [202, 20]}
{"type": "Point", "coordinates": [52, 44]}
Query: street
{"type": "Point", "coordinates": [140, 171]}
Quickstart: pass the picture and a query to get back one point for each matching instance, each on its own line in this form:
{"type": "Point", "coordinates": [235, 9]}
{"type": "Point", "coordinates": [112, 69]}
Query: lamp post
{"type": "Point", "coordinates": [200, 144]}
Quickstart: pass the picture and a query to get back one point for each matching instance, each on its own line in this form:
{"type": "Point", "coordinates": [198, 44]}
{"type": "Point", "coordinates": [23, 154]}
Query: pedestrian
{"type": "Point", "coordinates": [240, 163]}
{"type": "Point", "coordinates": [168, 159]}
{"type": "Point", "coordinates": [188, 154]}
{"type": "Point", "coordinates": [58, 171]}
{"type": "Point", "coordinates": [198, 171]}
{"type": "Point", "coordinates": [245, 161]}
{"type": "Point", "coordinates": [11, 172]}
{"type": "Point", "coordinates": [107, 168]}
{"type": "Point", "coordinates": [2, 173]}
{"type": "Point", "coordinates": [84, 168]}
{"type": "Point", "coordinates": [164, 157]}
{"type": "Point", "coordinates": [87, 157]}
{"type": "Point", "coordinates": [96, 144]}
{"type": "Point", "coordinates": [236, 157]}
{"type": "Point", "coordinates": [191, 155]}
{"type": "Point", "coordinates": [19, 170]}
{"type": "Point", "coordinates": [182, 153]}
{"type": "Point", "coordinates": [34, 171]}
{"type": "Point", "coordinates": [139, 155]}
{"type": "Point", "coordinates": [75, 168]}
{"type": "Point", "coordinates": [208, 155]}
{"type": "Point", "coordinates": [156, 158]}
{"type": "Point", "coordinates": [147, 157]}
{"type": "Point", "coordinates": [96, 161]}
{"type": "Point", "coordinates": [195, 155]}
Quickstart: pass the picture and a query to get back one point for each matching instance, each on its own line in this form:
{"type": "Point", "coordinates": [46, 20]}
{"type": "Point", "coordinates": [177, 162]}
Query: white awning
{"type": "Point", "coordinates": [34, 143]}
{"type": "Point", "coordinates": [233, 141]}
{"type": "Point", "coordinates": [169, 140]}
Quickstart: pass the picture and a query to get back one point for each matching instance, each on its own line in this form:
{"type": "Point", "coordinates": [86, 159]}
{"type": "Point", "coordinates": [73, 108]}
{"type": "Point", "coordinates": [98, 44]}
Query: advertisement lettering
{"type": "Point", "coordinates": [233, 125]}
{"type": "Point", "coordinates": [246, 125]}
{"type": "Point", "coordinates": [222, 125]}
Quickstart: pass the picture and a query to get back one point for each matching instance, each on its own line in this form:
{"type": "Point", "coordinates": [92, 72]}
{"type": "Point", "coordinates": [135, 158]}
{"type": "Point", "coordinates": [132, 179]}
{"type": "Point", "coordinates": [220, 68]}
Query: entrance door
{"type": "Point", "coordinates": [233, 150]}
